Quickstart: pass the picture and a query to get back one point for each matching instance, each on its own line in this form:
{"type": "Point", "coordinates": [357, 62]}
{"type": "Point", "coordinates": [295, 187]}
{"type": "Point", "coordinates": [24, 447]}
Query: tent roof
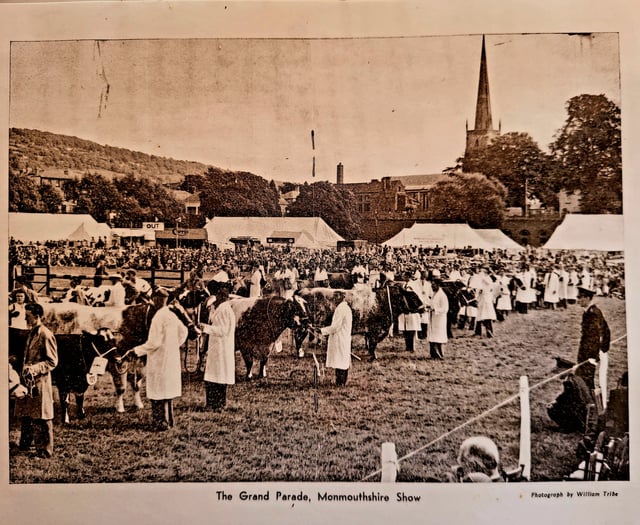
{"type": "Point", "coordinates": [588, 232]}
{"type": "Point", "coordinates": [42, 227]}
{"type": "Point", "coordinates": [309, 232]}
{"type": "Point", "coordinates": [454, 236]}
{"type": "Point", "coordinates": [498, 239]}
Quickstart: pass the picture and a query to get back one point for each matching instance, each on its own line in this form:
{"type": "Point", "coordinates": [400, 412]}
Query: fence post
{"type": "Point", "coordinates": [48, 279]}
{"type": "Point", "coordinates": [389, 459]}
{"type": "Point", "coordinates": [153, 277]}
{"type": "Point", "coordinates": [525, 429]}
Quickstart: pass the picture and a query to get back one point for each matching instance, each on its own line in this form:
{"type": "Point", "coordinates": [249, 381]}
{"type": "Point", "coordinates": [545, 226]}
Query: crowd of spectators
{"type": "Point", "coordinates": [606, 270]}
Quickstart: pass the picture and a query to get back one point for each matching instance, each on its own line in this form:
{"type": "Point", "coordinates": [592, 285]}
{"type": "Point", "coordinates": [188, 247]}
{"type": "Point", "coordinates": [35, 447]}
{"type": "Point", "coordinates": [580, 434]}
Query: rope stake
{"type": "Point", "coordinates": [489, 411]}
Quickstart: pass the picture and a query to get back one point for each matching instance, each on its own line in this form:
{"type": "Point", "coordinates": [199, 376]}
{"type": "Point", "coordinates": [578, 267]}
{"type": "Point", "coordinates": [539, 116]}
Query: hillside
{"type": "Point", "coordinates": [30, 149]}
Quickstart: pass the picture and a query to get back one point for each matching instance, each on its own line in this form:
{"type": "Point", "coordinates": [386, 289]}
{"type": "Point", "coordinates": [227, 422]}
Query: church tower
{"type": "Point", "coordinates": [483, 134]}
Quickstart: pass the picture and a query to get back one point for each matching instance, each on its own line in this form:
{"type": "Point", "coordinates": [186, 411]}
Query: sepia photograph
{"type": "Point", "coordinates": [318, 269]}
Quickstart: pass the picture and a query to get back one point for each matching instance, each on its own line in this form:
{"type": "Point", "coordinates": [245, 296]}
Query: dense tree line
{"type": "Point", "coordinates": [333, 203]}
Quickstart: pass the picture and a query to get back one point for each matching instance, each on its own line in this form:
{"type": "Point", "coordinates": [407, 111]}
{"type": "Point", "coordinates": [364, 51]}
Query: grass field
{"type": "Point", "coordinates": [271, 430]}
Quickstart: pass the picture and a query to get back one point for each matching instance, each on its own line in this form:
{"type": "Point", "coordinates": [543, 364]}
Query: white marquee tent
{"type": "Point", "coordinates": [498, 239]}
{"type": "Point", "coordinates": [306, 232]}
{"type": "Point", "coordinates": [588, 232]}
{"type": "Point", "coordinates": [430, 235]}
{"type": "Point", "coordinates": [42, 227]}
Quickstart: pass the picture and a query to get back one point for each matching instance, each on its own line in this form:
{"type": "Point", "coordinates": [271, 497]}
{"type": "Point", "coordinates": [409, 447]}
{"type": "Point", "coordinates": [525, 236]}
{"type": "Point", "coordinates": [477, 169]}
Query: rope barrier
{"type": "Point", "coordinates": [488, 411]}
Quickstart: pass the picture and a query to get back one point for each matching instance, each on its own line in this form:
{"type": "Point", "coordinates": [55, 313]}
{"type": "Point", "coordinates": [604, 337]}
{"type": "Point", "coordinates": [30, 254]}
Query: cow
{"type": "Point", "coordinates": [76, 355]}
{"type": "Point", "coordinates": [259, 323]}
{"type": "Point", "coordinates": [374, 311]}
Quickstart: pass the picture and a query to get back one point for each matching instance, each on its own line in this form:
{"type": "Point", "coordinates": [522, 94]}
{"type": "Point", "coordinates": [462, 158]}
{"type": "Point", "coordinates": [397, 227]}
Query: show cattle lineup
{"type": "Point", "coordinates": [424, 295]}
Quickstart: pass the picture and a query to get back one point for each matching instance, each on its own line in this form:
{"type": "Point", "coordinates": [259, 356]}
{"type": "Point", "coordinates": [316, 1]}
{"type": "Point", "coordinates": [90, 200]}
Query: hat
{"type": "Point", "coordinates": [585, 292]}
{"type": "Point", "coordinates": [115, 276]}
{"type": "Point", "coordinates": [161, 292]}
{"type": "Point", "coordinates": [435, 273]}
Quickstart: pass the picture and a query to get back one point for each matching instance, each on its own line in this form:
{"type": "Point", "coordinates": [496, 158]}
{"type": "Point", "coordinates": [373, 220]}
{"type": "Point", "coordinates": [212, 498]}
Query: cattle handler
{"type": "Point", "coordinates": [36, 409]}
{"type": "Point", "coordinates": [220, 369]}
{"type": "Point", "coordinates": [162, 348]}
{"type": "Point", "coordinates": [339, 342]}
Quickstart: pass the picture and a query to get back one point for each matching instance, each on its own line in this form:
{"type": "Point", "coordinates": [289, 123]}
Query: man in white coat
{"type": "Point", "coordinates": [118, 294]}
{"type": "Point", "coordinates": [339, 342]}
{"type": "Point", "coordinates": [437, 335]}
{"type": "Point", "coordinates": [164, 372]}
{"type": "Point", "coordinates": [552, 287]}
{"type": "Point", "coordinates": [486, 297]}
{"type": "Point", "coordinates": [256, 281]}
{"type": "Point", "coordinates": [220, 369]}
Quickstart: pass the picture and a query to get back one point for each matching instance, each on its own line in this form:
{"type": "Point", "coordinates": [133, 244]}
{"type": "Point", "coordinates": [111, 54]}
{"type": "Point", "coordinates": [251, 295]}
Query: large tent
{"type": "Point", "coordinates": [42, 227]}
{"type": "Point", "coordinates": [588, 232]}
{"type": "Point", "coordinates": [302, 232]}
{"type": "Point", "coordinates": [430, 235]}
{"type": "Point", "coordinates": [498, 239]}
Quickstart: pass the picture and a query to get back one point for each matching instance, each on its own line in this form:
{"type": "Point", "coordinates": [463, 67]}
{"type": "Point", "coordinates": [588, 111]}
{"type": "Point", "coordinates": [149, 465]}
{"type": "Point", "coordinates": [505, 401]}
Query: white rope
{"type": "Point", "coordinates": [488, 411]}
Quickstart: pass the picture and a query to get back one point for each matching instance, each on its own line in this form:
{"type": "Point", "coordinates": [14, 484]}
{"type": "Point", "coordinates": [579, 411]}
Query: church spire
{"type": "Point", "coordinates": [480, 137]}
{"type": "Point", "coordinates": [483, 105]}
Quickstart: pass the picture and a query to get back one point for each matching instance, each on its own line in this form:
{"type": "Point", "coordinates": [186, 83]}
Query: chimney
{"type": "Point", "coordinates": [340, 174]}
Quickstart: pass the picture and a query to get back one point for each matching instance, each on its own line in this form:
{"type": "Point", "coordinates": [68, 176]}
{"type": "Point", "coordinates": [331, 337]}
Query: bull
{"type": "Point", "coordinates": [374, 311]}
{"type": "Point", "coordinates": [76, 356]}
{"type": "Point", "coordinates": [259, 323]}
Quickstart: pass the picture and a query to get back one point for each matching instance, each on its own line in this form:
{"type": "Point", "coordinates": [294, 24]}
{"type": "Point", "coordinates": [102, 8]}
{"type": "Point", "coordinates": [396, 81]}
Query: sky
{"type": "Point", "coordinates": [380, 106]}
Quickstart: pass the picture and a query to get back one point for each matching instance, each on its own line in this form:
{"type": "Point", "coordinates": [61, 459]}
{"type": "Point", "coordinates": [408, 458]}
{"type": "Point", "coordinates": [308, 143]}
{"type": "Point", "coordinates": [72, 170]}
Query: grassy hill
{"type": "Point", "coordinates": [30, 149]}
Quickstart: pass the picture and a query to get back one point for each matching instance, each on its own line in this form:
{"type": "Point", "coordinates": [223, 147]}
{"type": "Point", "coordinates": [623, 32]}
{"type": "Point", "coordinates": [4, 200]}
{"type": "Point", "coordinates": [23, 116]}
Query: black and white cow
{"type": "Point", "coordinates": [374, 311]}
{"type": "Point", "coordinates": [259, 323]}
{"type": "Point", "coordinates": [76, 355]}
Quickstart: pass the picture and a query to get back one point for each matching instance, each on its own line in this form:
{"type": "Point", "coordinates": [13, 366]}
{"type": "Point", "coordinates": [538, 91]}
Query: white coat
{"type": "Point", "coordinates": [552, 287]}
{"type": "Point", "coordinates": [411, 322]}
{"type": "Point", "coordinates": [486, 297]}
{"type": "Point", "coordinates": [256, 289]}
{"type": "Point", "coordinates": [563, 291]}
{"type": "Point", "coordinates": [162, 348]}
{"type": "Point", "coordinates": [118, 295]}
{"type": "Point", "coordinates": [339, 342]}
{"type": "Point", "coordinates": [427, 295]}
{"type": "Point", "coordinates": [221, 364]}
{"type": "Point", "coordinates": [437, 332]}
{"type": "Point", "coordinates": [572, 285]}
{"type": "Point", "coordinates": [504, 294]}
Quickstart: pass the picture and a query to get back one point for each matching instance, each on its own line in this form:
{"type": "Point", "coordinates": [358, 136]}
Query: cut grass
{"type": "Point", "coordinates": [271, 431]}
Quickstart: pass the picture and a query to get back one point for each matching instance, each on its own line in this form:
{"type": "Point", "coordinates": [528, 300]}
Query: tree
{"type": "Point", "coordinates": [50, 199]}
{"type": "Point", "coordinates": [515, 160]}
{"type": "Point", "coordinates": [230, 194]}
{"type": "Point", "coordinates": [23, 193]}
{"type": "Point", "coordinates": [588, 151]}
{"type": "Point", "coordinates": [471, 198]}
{"type": "Point", "coordinates": [334, 204]}
{"type": "Point", "coordinates": [143, 200]}
{"type": "Point", "coordinates": [97, 196]}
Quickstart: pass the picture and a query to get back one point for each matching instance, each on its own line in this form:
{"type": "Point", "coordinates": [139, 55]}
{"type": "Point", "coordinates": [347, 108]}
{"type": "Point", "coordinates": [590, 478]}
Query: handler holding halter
{"type": "Point", "coordinates": [164, 381]}
{"type": "Point", "coordinates": [339, 342]}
